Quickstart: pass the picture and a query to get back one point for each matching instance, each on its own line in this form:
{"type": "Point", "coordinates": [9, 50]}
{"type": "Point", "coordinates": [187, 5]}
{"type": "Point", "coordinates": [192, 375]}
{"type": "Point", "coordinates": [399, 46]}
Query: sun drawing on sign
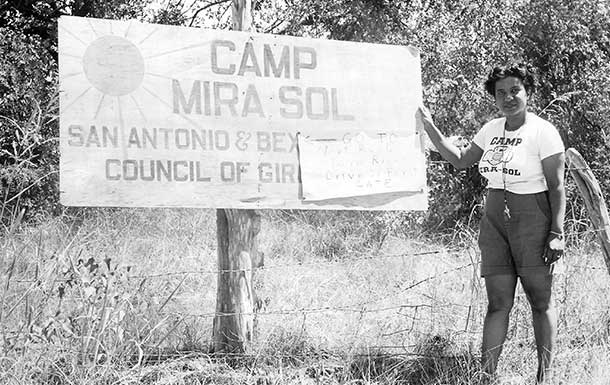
{"type": "Point", "coordinates": [114, 66]}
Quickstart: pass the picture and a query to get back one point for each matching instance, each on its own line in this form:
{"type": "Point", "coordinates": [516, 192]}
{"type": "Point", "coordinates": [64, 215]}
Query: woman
{"type": "Point", "coordinates": [521, 233]}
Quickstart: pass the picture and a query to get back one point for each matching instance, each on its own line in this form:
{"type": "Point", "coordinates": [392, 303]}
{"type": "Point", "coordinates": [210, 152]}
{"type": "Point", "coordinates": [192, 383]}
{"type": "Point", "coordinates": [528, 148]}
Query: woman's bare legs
{"type": "Point", "coordinates": [538, 290]}
{"type": "Point", "coordinates": [500, 297]}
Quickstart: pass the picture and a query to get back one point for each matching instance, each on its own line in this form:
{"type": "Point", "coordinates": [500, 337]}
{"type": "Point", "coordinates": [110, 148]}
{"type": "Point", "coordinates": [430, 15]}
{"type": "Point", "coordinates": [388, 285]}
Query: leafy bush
{"type": "Point", "coordinates": [28, 121]}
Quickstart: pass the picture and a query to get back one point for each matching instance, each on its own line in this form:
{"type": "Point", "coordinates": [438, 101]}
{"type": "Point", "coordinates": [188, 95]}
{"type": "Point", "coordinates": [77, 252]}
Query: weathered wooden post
{"type": "Point", "coordinates": [233, 324]}
{"type": "Point", "coordinates": [594, 199]}
{"type": "Point", "coordinates": [237, 255]}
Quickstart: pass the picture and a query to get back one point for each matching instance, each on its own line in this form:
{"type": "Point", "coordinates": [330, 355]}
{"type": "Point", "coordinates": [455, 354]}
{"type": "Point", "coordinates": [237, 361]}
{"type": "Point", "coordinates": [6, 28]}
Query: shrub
{"type": "Point", "coordinates": [28, 122]}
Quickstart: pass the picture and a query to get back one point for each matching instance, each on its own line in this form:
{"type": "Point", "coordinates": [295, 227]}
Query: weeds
{"type": "Point", "coordinates": [88, 298]}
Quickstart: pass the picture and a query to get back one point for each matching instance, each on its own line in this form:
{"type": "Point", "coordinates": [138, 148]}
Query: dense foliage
{"type": "Point", "coordinates": [567, 40]}
{"type": "Point", "coordinates": [28, 103]}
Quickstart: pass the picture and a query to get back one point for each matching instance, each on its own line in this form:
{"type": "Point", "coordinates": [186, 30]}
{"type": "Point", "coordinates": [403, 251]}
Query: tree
{"type": "Point", "coordinates": [569, 41]}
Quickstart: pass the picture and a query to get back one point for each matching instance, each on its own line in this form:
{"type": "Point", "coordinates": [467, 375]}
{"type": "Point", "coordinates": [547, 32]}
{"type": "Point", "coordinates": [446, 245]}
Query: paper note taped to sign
{"type": "Point", "coordinates": [360, 165]}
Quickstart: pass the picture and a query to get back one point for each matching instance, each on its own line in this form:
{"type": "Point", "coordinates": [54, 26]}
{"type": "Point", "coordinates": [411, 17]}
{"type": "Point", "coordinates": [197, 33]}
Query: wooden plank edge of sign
{"type": "Point", "coordinates": [591, 192]}
{"type": "Point", "coordinates": [390, 201]}
{"type": "Point", "coordinates": [336, 204]}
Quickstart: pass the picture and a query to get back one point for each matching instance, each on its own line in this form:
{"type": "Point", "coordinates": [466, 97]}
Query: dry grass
{"type": "Point", "coordinates": [119, 296]}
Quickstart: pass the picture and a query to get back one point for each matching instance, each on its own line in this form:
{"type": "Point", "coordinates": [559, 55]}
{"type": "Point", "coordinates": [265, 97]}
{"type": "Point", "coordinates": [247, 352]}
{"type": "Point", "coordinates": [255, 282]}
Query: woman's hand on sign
{"type": "Point", "coordinates": [423, 114]}
{"type": "Point", "coordinates": [425, 117]}
{"type": "Point", "coordinates": [453, 149]}
{"type": "Point", "coordinates": [459, 141]}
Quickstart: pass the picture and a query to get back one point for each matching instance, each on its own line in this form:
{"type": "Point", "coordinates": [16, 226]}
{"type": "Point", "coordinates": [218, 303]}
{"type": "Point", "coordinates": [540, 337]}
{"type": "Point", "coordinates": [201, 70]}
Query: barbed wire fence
{"type": "Point", "coordinates": [409, 313]}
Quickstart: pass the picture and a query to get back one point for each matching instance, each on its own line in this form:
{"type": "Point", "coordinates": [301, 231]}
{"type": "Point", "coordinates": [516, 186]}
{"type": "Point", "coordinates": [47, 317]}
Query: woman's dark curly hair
{"type": "Point", "coordinates": [521, 71]}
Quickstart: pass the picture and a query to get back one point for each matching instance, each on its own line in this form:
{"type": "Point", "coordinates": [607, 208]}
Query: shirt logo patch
{"type": "Point", "coordinates": [497, 155]}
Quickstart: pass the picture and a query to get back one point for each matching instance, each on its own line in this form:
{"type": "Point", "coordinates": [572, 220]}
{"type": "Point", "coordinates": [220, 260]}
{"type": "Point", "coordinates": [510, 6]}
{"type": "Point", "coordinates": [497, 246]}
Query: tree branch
{"type": "Point", "coordinates": [210, 5]}
{"type": "Point", "coordinates": [276, 24]}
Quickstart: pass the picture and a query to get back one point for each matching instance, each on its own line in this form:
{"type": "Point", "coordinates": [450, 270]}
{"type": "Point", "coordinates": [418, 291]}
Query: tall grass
{"type": "Point", "coordinates": [113, 296]}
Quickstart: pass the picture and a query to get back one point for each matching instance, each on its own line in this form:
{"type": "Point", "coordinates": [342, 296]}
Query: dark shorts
{"type": "Point", "coordinates": [514, 246]}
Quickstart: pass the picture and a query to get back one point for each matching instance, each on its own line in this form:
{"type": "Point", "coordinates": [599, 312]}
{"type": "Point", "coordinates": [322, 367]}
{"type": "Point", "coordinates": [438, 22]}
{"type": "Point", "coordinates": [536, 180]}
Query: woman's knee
{"type": "Point", "coordinates": [500, 303]}
{"type": "Point", "coordinates": [500, 293]}
{"type": "Point", "coordinates": [538, 292]}
{"type": "Point", "coordinates": [540, 304]}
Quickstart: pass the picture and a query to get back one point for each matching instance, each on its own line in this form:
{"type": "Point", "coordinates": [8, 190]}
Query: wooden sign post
{"type": "Point", "coordinates": [237, 245]}
{"type": "Point", "coordinates": [237, 251]}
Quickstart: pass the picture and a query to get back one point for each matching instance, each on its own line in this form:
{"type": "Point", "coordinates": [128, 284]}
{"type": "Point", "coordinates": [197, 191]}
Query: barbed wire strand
{"type": "Point", "coordinates": [365, 257]}
{"type": "Point", "coordinates": [353, 308]}
{"type": "Point", "coordinates": [369, 257]}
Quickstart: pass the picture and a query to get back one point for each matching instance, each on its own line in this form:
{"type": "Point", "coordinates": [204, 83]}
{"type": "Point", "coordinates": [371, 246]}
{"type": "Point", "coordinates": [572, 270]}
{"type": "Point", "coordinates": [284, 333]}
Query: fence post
{"type": "Point", "coordinates": [234, 320]}
{"type": "Point", "coordinates": [594, 200]}
{"type": "Point", "coordinates": [237, 231]}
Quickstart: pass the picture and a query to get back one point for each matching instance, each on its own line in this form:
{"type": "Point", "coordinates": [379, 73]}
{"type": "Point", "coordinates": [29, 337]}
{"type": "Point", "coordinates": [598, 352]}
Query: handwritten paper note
{"type": "Point", "coordinates": [360, 165]}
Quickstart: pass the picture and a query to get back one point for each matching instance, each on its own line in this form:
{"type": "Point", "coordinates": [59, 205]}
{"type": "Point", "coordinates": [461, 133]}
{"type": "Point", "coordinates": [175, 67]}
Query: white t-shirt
{"type": "Point", "coordinates": [517, 155]}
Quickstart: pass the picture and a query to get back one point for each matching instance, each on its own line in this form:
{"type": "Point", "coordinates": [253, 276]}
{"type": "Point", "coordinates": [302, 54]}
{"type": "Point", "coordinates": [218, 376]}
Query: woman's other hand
{"type": "Point", "coordinates": [553, 251]}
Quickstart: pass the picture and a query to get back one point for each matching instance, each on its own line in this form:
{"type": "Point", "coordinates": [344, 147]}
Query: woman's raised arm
{"type": "Point", "coordinates": [458, 157]}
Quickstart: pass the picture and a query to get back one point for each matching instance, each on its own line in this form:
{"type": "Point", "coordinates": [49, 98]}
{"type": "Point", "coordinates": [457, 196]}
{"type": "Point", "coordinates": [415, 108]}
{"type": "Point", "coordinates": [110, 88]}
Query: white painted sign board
{"type": "Point", "coordinates": [165, 116]}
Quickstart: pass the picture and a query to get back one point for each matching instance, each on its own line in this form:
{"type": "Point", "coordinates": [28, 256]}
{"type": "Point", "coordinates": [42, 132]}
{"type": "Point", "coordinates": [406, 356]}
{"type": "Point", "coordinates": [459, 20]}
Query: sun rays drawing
{"type": "Point", "coordinates": [114, 71]}
{"type": "Point", "coordinates": [119, 131]}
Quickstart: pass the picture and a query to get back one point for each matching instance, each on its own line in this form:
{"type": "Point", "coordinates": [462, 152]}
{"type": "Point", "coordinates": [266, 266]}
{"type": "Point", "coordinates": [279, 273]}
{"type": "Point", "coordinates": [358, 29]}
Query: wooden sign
{"type": "Point", "coordinates": [165, 116]}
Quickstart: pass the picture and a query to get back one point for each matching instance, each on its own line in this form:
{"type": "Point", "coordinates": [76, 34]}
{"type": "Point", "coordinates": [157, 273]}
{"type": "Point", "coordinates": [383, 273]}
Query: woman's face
{"type": "Point", "coordinates": [511, 97]}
